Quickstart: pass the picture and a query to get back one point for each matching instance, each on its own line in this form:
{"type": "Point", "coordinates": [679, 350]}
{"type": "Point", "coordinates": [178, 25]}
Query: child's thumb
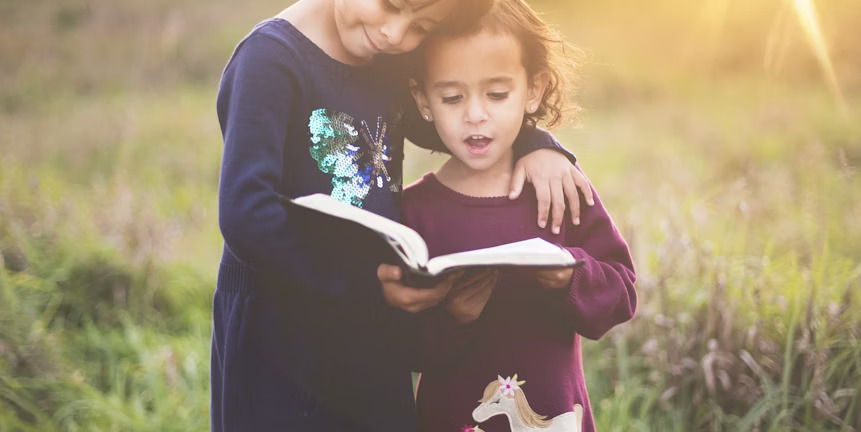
{"type": "Point", "coordinates": [388, 272]}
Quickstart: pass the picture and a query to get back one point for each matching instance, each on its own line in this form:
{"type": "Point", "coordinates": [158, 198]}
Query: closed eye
{"type": "Point", "coordinates": [420, 30]}
{"type": "Point", "coordinates": [495, 401]}
{"type": "Point", "coordinates": [389, 6]}
{"type": "Point", "coordinates": [498, 95]}
{"type": "Point", "coordinates": [451, 99]}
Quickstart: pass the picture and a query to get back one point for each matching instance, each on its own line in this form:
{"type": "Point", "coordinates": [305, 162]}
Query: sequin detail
{"type": "Point", "coordinates": [354, 170]}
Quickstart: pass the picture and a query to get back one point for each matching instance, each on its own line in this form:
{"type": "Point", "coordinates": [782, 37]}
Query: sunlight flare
{"type": "Point", "coordinates": [806, 14]}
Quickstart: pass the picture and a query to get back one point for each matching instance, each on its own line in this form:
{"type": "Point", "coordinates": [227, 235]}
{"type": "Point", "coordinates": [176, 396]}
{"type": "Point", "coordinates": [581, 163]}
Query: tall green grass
{"type": "Point", "coordinates": [742, 211]}
{"type": "Point", "coordinates": [737, 188]}
{"type": "Point", "coordinates": [106, 275]}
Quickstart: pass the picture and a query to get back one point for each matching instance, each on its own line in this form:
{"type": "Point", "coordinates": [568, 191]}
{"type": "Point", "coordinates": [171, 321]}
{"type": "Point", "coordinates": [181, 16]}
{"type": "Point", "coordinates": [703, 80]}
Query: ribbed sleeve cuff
{"type": "Point", "coordinates": [235, 278]}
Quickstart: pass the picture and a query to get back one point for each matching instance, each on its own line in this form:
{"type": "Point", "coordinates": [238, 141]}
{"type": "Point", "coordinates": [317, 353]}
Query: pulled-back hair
{"type": "Point", "coordinates": [465, 14]}
{"type": "Point", "coordinates": [543, 50]}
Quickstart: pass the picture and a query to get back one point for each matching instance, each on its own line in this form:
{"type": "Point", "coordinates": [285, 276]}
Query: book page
{"type": "Point", "coordinates": [532, 252]}
{"type": "Point", "coordinates": [412, 250]}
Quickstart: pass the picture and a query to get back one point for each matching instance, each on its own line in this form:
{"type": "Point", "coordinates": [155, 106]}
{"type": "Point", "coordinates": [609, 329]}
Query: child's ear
{"type": "Point", "coordinates": [421, 100]}
{"type": "Point", "coordinates": [535, 93]}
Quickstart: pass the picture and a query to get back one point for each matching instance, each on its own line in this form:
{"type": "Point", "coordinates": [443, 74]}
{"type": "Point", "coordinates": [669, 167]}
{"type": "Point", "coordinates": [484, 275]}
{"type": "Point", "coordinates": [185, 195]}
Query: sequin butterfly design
{"type": "Point", "coordinates": [354, 170]}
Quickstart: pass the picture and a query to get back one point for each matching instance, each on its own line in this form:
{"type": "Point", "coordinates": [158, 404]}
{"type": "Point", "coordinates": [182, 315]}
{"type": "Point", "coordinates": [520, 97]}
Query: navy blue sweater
{"type": "Point", "coordinates": [302, 339]}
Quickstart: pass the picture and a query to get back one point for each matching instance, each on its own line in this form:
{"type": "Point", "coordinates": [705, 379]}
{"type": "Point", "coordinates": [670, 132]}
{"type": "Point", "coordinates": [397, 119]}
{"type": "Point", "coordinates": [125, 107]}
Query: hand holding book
{"type": "Point", "coordinates": [411, 250]}
{"type": "Point", "coordinates": [552, 279]}
{"type": "Point", "coordinates": [470, 293]}
{"type": "Point", "coordinates": [463, 293]}
{"type": "Point", "coordinates": [409, 298]}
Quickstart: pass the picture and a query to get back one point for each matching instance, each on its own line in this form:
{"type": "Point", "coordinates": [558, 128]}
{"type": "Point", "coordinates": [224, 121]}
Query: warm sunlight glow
{"type": "Point", "coordinates": [713, 19]}
{"type": "Point", "coordinates": [777, 41]}
{"type": "Point", "coordinates": [807, 18]}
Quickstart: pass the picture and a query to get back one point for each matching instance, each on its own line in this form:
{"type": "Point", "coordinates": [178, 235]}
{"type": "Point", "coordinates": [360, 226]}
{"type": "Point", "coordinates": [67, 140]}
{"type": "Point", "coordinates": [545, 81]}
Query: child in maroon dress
{"type": "Point", "coordinates": [481, 87]}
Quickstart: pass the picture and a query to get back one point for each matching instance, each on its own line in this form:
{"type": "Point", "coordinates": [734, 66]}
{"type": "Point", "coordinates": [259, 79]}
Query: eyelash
{"type": "Point", "coordinates": [496, 96]}
{"type": "Point", "coordinates": [389, 6]}
{"type": "Point", "coordinates": [451, 99]}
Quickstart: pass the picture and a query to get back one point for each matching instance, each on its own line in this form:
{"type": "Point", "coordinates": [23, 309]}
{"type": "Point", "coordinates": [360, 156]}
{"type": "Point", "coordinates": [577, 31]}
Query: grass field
{"type": "Point", "coordinates": [723, 152]}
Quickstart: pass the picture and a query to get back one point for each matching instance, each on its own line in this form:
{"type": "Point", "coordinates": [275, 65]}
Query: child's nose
{"type": "Point", "coordinates": [475, 112]}
{"type": "Point", "coordinates": [394, 31]}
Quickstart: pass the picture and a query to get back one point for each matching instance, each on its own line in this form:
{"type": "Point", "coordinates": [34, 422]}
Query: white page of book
{"type": "Point", "coordinates": [413, 249]}
{"type": "Point", "coordinates": [523, 253]}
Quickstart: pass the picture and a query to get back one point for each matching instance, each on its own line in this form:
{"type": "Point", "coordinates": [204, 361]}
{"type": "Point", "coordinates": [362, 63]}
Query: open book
{"type": "Point", "coordinates": [412, 250]}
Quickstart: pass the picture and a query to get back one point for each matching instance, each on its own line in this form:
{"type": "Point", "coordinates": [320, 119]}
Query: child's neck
{"type": "Point", "coordinates": [316, 20]}
{"type": "Point", "coordinates": [492, 182]}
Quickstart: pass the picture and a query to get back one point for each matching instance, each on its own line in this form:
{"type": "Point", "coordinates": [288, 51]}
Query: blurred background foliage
{"type": "Point", "coordinates": [724, 136]}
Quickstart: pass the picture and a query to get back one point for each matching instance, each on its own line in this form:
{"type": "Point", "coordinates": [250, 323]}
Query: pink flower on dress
{"type": "Point", "coordinates": [508, 385]}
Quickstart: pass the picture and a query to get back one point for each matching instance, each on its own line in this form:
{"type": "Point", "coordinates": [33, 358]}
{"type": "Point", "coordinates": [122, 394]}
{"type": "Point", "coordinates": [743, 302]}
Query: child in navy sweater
{"type": "Point", "coordinates": [302, 338]}
{"type": "Point", "coordinates": [482, 87]}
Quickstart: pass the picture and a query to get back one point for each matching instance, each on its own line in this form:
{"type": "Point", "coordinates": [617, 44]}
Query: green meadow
{"type": "Point", "coordinates": [723, 136]}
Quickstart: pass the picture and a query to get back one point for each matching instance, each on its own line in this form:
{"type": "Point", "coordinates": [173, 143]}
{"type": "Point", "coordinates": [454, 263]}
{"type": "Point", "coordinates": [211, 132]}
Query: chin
{"type": "Point", "coordinates": [479, 165]}
{"type": "Point", "coordinates": [355, 51]}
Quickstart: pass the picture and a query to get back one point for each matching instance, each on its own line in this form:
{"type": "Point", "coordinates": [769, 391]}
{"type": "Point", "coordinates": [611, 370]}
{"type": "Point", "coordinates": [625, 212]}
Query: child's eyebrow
{"type": "Point", "coordinates": [498, 80]}
{"type": "Point", "coordinates": [419, 5]}
{"type": "Point", "coordinates": [444, 84]}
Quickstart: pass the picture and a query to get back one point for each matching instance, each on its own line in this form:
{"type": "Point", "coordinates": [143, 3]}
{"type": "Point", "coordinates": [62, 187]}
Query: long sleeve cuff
{"type": "Point", "coordinates": [531, 139]}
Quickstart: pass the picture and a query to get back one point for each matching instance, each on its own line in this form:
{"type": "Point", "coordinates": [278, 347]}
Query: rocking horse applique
{"type": "Point", "coordinates": [504, 396]}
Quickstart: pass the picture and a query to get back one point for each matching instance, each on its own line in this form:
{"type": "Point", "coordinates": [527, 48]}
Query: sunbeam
{"type": "Point", "coordinates": [806, 14]}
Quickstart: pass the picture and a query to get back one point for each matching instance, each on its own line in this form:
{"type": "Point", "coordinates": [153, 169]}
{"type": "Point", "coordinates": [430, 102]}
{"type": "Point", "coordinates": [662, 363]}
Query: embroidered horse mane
{"type": "Point", "coordinates": [529, 417]}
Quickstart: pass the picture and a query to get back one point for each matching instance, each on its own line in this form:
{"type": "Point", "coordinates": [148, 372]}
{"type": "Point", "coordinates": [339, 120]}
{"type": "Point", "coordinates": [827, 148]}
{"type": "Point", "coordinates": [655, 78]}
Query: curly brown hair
{"type": "Point", "coordinates": [543, 51]}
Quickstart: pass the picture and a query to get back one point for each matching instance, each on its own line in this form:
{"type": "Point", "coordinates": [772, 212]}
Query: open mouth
{"type": "Point", "coordinates": [478, 144]}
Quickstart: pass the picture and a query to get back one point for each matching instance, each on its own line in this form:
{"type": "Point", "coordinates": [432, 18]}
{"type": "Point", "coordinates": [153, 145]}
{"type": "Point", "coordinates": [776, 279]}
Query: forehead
{"type": "Point", "coordinates": [421, 4]}
{"type": "Point", "coordinates": [473, 57]}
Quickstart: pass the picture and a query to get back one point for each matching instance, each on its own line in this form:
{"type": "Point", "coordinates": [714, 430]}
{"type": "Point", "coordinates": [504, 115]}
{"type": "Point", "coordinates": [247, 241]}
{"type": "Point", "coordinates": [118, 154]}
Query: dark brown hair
{"type": "Point", "coordinates": [543, 50]}
{"type": "Point", "coordinates": [464, 14]}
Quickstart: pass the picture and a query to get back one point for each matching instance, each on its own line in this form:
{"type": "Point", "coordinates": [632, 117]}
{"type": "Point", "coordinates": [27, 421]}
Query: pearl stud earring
{"type": "Point", "coordinates": [427, 118]}
{"type": "Point", "coordinates": [532, 108]}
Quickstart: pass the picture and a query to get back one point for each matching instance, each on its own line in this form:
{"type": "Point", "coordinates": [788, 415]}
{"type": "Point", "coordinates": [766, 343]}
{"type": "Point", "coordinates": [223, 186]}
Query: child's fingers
{"type": "Point", "coordinates": [424, 299]}
{"type": "Point", "coordinates": [486, 285]}
{"type": "Point", "coordinates": [584, 184]}
{"type": "Point", "coordinates": [476, 289]}
{"type": "Point", "coordinates": [477, 285]}
{"type": "Point", "coordinates": [414, 299]}
{"type": "Point", "coordinates": [558, 205]}
{"type": "Point", "coordinates": [483, 295]}
{"type": "Point", "coordinates": [388, 273]}
{"type": "Point", "coordinates": [573, 198]}
{"type": "Point", "coordinates": [466, 305]}
{"type": "Point", "coordinates": [470, 277]}
{"type": "Point", "coordinates": [555, 278]}
{"type": "Point", "coordinates": [472, 282]}
{"type": "Point", "coordinates": [542, 193]}
{"type": "Point", "coordinates": [450, 279]}
{"type": "Point", "coordinates": [518, 178]}
{"type": "Point", "coordinates": [409, 298]}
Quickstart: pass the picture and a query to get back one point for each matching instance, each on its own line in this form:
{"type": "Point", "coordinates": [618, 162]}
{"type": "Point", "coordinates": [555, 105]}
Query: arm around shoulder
{"type": "Point", "coordinates": [531, 139]}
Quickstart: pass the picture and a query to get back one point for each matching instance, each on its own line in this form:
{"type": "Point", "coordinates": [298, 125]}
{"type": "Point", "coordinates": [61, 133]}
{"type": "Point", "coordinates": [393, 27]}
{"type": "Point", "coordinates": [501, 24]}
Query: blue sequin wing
{"type": "Point", "coordinates": [333, 139]}
{"type": "Point", "coordinates": [355, 169]}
